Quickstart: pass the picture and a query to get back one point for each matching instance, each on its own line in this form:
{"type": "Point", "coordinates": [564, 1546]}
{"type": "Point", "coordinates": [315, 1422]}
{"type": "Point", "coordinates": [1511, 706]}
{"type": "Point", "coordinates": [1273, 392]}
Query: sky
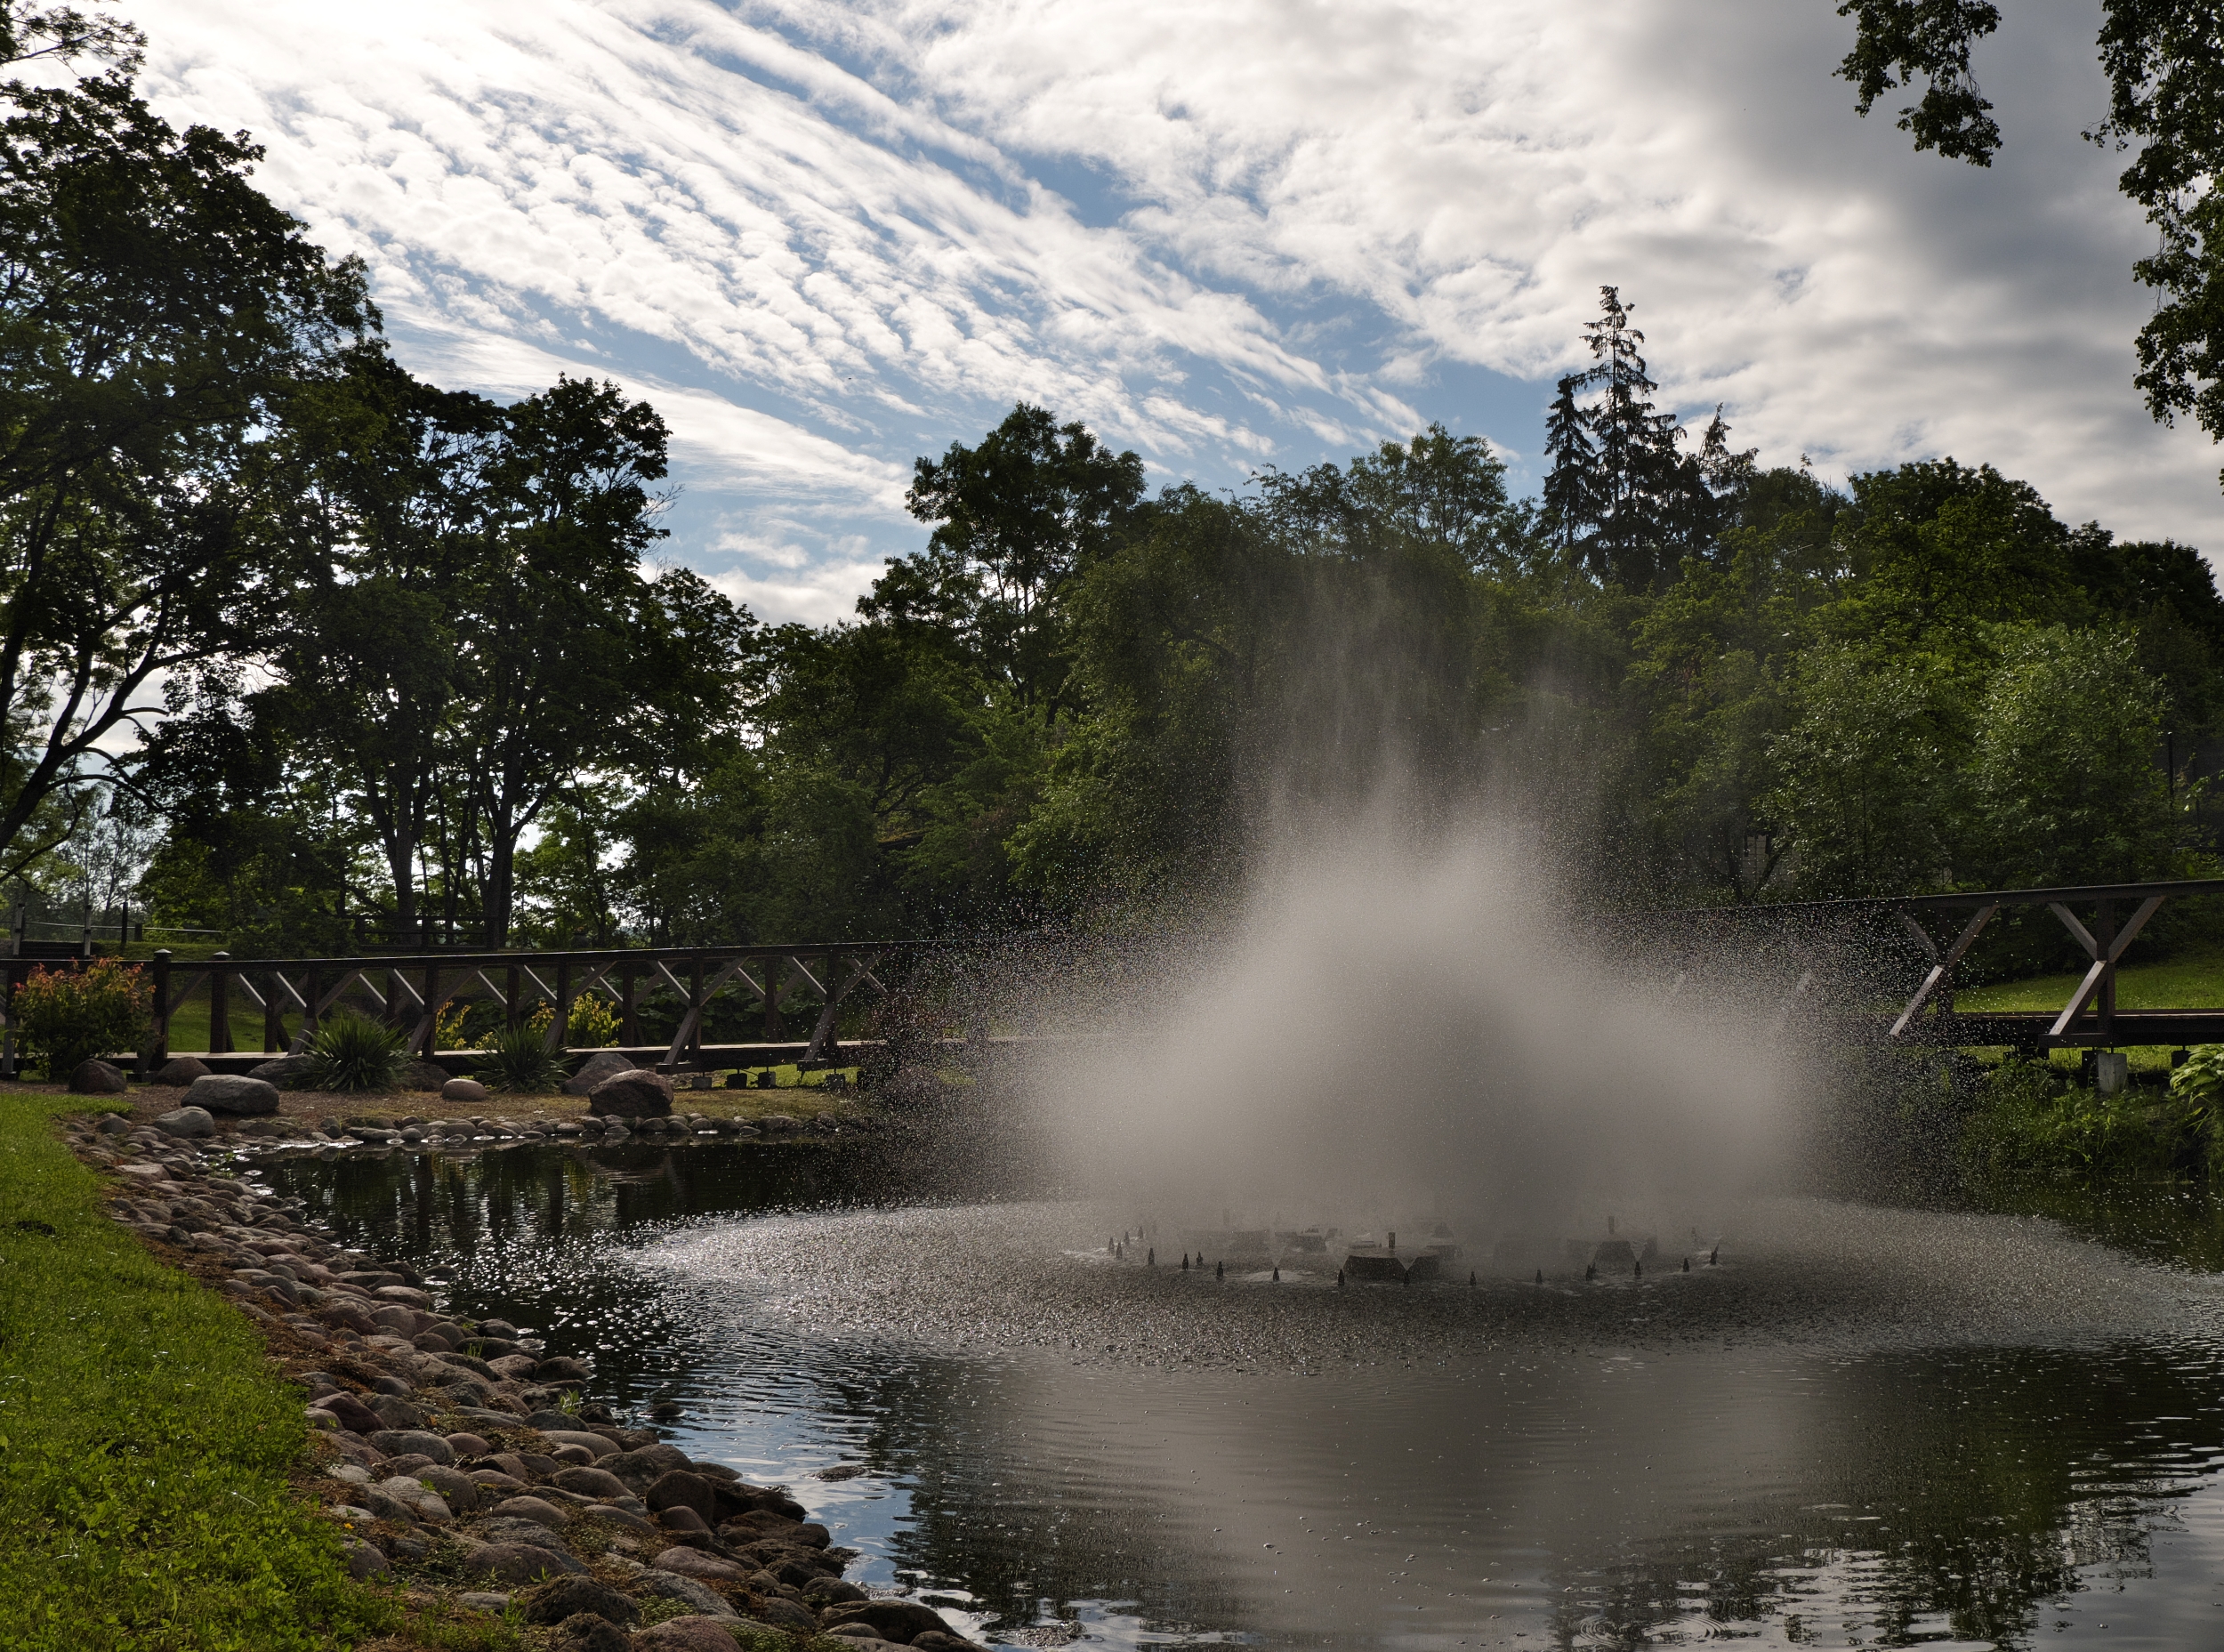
{"type": "Point", "coordinates": [825, 239]}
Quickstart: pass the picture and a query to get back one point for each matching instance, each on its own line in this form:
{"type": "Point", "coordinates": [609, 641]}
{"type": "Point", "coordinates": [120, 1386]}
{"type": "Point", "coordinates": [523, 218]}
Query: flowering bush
{"type": "Point", "coordinates": [593, 1023]}
{"type": "Point", "coordinates": [66, 1017]}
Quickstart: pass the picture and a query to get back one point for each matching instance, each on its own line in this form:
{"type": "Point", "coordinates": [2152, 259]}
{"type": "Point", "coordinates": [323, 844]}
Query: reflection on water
{"type": "Point", "coordinates": [1429, 1467]}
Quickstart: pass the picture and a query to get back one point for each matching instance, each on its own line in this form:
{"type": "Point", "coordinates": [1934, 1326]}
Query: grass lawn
{"type": "Point", "coordinates": [144, 1440]}
{"type": "Point", "coordinates": [2190, 983]}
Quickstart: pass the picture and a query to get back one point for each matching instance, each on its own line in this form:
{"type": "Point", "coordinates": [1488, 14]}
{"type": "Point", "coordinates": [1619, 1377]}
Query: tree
{"type": "Point", "coordinates": [1572, 486]}
{"type": "Point", "coordinates": [1439, 489]}
{"type": "Point", "coordinates": [562, 648]}
{"type": "Point", "coordinates": [2067, 788]}
{"type": "Point", "coordinates": [153, 308]}
{"type": "Point", "coordinates": [1014, 519]}
{"type": "Point", "coordinates": [2164, 60]}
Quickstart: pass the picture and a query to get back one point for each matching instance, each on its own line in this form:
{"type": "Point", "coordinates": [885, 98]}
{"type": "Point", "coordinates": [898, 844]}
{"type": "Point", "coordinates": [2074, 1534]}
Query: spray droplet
{"type": "Point", "coordinates": [1277, 1271]}
{"type": "Point", "coordinates": [1340, 1278]}
{"type": "Point", "coordinates": [1540, 1276]}
{"type": "Point", "coordinates": [1185, 1261]}
{"type": "Point", "coordinates": [1150, 1257]}
{"type": "Point", "coordinates": [1711, 1254]}
{"type": "Point", "coordinates": [1220, 1271]}
{"type": "Point", "coordinates": [1687, 1264]}
{"type": "Point", "coordinates": [1470, 1280]}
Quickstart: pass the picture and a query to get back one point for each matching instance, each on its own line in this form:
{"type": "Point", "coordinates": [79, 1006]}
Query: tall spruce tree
{"type": "Point", "coordinates": [1571, 486]}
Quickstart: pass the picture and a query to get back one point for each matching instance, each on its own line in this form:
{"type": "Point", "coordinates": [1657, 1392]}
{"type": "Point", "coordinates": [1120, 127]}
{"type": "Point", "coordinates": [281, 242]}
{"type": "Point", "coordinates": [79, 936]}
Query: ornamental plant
{"type": "Point", "coordinates": [517, 1059]}
{"type": "Point", "coordinates": [353, 1052]}
{"type": "Point", "coordinates": [593, 1024]}
{"type": "Point", "coordinates": [64, 1018]}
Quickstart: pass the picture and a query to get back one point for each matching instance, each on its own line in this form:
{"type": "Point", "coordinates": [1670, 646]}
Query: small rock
{"type": "Point", "coordinates": [364, 1561]}
{"type": "Point", "coordinates": [469, 1445]}
{"type": "Point", "coordinates": [588, 1482]}
{"type": "Point", "coordinates": [560, 1369]}
{"type": "Point", "coordinates": [353, 1415]}
{"type": "Point", "coordinates": [535, 1509]}
{"type": "Point", "coordinates": [634, 1094]}
{"type": "Point", "coordinates": [704, 1600]}
{"type": "Point", "coordinates": [187, 1121]}
{"type": "Point", "coordinates": [454, 1484]}
{"type": "Point", "coordinates": [594, 1070]}
{"type": "Point", "coordinates": [783, 1613]}
{"type": "Point", "coordinates": [892, 1620]}
{"type": "Point", "coordinates": [826, 1592]}
{"type": "Point", "coordinates": [694, 1563]}
{"type": "Point", "coordinates": [589, 1631]}
{"type": "Point", "coordinates": [463, 1089]}
{"type": "Point", "coordinates": [399, 1442]}
{"type": "Point", "coordinates": [686, 1634]}
{"type": "Point", "coordinates": [98, 1078]}
{"type": "Point", "coordinates": [481, 1600]}
{"type": "Point", "coordinates": [518, 1563]}
{"type": "Point", "coordinates": [560, 1597]}
{"type": "Point", "coordinates": [624, 1520]}
{"type": "Point", "coordinates": [112, 1123]}
{"type": "Point", "coordinates": [593, 1445]}
{"type": "Point", "coordinates": [228, 1092]}
{"type": "Point", "coordinates": [181, 1070]}
{"type": "Point", "coordinates": [679, 1488]}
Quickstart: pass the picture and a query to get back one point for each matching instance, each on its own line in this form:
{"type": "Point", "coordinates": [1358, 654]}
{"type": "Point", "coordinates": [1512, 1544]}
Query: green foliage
{"type": "Point", "coordinates": [517, 1059]}
{"type": "Point", "coordinates": [593, 1023]}
{"type": "Point", "coordinates": [64, 1017]}
{"type": "Point", "coordinates": [146, 1502]}
{"type": "Point", "coordinates": [2030, 1126]}
{"type": "Point", "coordinates": [352, 1053]}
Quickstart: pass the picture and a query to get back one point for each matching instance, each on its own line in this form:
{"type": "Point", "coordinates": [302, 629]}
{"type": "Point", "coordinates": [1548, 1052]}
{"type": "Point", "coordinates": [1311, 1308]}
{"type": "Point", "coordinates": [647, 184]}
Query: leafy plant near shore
{"type": "Point", "coordinates": [2030, 1126]}
{"type": "Point", "coordinates": [353, 1052]}
{"type": "Point", "coordinates": [517, 1059]}
{"type": "Point", "coordinates": [65, 1017]}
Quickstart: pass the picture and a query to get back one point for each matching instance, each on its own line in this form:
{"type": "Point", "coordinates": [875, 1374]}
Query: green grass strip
{"type": "Point", "coordinates": [144, 1441]}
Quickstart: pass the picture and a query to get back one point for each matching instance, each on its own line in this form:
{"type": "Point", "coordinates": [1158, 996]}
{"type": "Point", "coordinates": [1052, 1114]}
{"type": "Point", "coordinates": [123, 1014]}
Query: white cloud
{"type": "Point", "coordinates": [831, 236]}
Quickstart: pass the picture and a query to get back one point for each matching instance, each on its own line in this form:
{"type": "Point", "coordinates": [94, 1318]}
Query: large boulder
{"type": "Point", "coordinates": [229, 1093]}
{"type": "Point", "coordinates": [632, 1094]}
{"type": "Point", "coordinates": [463, 1089]}
{"type": "Point", "coordinates": [180, 1070]}
{"type": "Point", "coordinates": [186, 1121]}
{"type": "Point", "coordinates": [285, 1071]}
{"type": "Point", "coordinates": [98, 1078]}
{"type": "Point", "coordinates": [594, 1070]}
{"type": "Point", "coordinates": [702, 1598]}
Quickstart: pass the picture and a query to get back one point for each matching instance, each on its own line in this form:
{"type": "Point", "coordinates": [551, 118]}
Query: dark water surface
{"type": "Point", "coordinates": [1867, 1428]}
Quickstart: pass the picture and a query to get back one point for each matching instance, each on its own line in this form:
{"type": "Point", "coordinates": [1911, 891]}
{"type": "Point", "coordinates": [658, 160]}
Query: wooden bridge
{"type": "Point", "coordinates": [409, 991]}
{"type": "Point", "coordinates": [2103, 919]}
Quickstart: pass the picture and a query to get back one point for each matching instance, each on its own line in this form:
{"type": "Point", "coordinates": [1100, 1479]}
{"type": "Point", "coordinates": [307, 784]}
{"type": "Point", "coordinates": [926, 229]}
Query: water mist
{"type": "Point", "coordinates": [1408, 1028]}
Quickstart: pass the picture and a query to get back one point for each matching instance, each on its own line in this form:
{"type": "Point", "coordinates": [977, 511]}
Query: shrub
{"type": "Point", "coordinates": [449, 1025]}
{"type": "Point", "coordinates": [2030, 1126]}
{"type": "Point", "coordinates": [519, 1059]}
{"type": "Point", "coordinates": [351, 1053]}
{"type": "Point", "coordinates": [66, 1017]}
{"type": "Point", "coordinates": [593, 1023]}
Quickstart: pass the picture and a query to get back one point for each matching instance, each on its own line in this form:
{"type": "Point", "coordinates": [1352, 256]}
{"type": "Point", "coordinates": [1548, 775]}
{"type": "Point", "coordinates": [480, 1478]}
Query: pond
{"type": "Point", "coordinates": [1864, 1427]}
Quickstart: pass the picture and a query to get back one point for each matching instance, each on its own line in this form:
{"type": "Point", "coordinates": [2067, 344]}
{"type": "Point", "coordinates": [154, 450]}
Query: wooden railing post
{"type": "Point", "coordinates": [559, 1031]}
{"type": "Point", "coordinates": [432, 1008]}
{"type": "Point", "coordinates": [629, 1022]}
{"type": "Point", "coordinates": [273, 1014]}
{"type": "Point", "coordinates": [313, 990]}
{"type": "Point", "coordinates": [219, 1005]}
{"type": "Point", "coordinates": [159, 1049]}
{"type": "Point", "coordinates": [697, 1008]}
{"type": "Point", "coordinates": [2104, 931]}
{"type": "Point", "coordinates": [772, 1030]}
{"type": "Point", "coordinates": [515, 983]}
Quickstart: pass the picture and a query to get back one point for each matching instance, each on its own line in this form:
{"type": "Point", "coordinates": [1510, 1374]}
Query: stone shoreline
{"type": "Point", "coordinates": [459, 1462]}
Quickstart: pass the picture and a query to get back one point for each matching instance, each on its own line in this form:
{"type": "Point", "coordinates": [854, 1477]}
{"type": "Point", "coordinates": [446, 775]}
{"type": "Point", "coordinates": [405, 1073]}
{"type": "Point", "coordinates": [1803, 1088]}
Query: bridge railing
{"type": "Point", "coordinates": [410, 989]}
{"type": "Point", "coordinates": [2103, 919]}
